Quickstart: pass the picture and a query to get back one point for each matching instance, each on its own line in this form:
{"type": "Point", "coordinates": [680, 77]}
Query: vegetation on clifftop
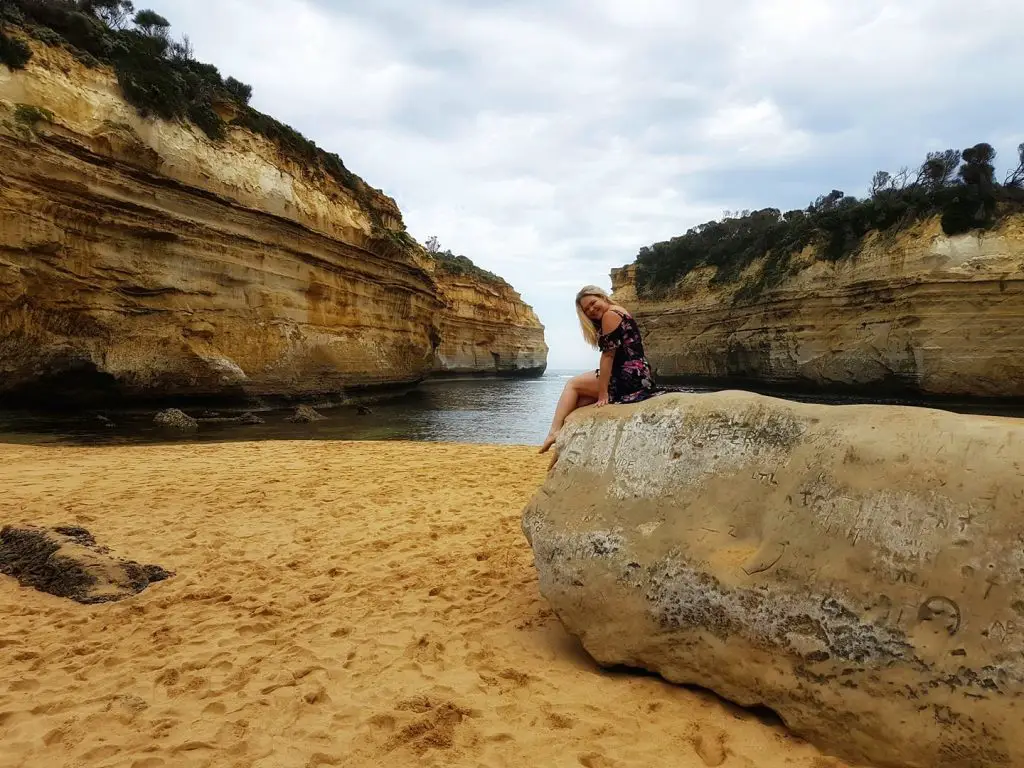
{"type": "Point", "coordinates": [159, 76]}
{"type": "Point", "coordinates": [960, 187]}
{"type": "Point", "coordinates": [458, 265]}
{"type": "Point", "coordinates": [13, 52]}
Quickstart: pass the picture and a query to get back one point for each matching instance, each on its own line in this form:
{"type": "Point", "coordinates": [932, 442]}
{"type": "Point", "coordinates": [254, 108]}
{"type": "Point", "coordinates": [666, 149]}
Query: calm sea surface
{"type": "Point", "coordinates": [485, 410]}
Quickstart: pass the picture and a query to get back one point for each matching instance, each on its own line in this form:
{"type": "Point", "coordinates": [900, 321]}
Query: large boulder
{"type": "Point", "coordinates": [855, 568]}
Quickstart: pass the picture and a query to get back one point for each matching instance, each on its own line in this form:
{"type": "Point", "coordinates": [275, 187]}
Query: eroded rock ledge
{"type": "Point", "coordinates": [857, 569]}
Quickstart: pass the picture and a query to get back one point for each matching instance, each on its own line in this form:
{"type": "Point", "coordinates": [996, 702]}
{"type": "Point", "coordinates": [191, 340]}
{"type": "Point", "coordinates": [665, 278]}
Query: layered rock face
{"type": "Point", "coordinates": [919, 312]}
{"type": "Point", "coordinates": [139, 259]}
{"type": "Point", "coordinates": [486, 328]}
{"type": "Point", "coordinates": [855, 568]}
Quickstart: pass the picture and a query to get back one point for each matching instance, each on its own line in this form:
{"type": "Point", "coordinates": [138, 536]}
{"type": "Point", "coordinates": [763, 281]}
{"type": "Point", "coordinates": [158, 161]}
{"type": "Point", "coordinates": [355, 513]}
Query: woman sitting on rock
{"type": "Point", "coordinates": [624, 376]}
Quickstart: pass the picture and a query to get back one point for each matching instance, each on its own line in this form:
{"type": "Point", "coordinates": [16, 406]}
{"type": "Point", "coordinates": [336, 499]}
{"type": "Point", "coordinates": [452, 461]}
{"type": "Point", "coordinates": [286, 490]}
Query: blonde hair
{"type": "Point", "coordinates": [589, 328]}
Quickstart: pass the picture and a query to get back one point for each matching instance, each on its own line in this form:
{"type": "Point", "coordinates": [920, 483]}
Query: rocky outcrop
{"type": "Point", "coordinates": [857, 569]}
{"type": "Point", "coordinates": [486, 328]}
{"type": "Point", "coordinates": [138, 256]}
{"type": "Point", "coordinates": [305, 414]}
{"type": "Point", "coordinates": [918, 312]}
{"type": "Point", "coordinates": [173, 418]}
{"type": "Point", "coordinates": [67, 562]}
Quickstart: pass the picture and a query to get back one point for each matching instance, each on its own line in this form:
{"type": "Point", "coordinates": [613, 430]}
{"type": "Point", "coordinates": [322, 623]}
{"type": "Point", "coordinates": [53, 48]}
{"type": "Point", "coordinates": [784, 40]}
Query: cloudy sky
{"type": "Point", "coordinates": [548, 140]}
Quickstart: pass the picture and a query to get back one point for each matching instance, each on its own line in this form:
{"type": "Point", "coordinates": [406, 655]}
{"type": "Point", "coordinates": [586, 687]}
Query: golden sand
{"type": "Point", "coordinates": [335, 603]}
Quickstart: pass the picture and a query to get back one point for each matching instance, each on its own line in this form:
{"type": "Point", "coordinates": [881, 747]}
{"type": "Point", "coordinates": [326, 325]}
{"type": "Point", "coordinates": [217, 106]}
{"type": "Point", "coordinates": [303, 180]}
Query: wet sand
{"type": "Point", "coordinates": [335, 603]}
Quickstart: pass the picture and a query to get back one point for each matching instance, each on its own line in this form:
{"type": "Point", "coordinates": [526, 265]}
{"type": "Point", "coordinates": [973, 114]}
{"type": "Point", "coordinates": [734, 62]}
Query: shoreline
{"type": "Point", "coordinates": [334, 603]}
{"type": "Point", "coordinates": [382, 394]}
{"type": "Point", "coordinates": [240, 400]}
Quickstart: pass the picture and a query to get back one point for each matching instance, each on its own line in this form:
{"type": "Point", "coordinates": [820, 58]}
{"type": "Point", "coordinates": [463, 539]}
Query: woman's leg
{"type": "Point", "coordinates": [579, 391]}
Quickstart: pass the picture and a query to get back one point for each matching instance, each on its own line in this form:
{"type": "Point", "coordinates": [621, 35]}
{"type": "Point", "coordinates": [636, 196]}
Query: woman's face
{"type": "Point", "coordinates": [594, 307]}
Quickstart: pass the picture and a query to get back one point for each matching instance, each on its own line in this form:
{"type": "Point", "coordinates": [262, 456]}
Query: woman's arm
{"type": "Point", "coordinates": [604, 376]}
{"type": "Point", "coordinates": [609, 323]}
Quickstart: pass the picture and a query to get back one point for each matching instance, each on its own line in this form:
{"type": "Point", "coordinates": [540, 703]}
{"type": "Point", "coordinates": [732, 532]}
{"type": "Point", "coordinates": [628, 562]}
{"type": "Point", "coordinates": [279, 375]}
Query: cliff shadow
{"type": "Point", "coordinates": [77, 386]}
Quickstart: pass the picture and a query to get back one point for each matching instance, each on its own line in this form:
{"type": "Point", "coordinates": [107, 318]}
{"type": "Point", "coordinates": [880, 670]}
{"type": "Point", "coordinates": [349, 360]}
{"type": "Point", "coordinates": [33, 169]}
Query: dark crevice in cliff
{"type": "Point", "coordinates": [491, 326]}
{"type": "Point", "coordinates": [79, 384]}
{"type": "Point", "coordinates": [76, 386]}
{"type": "Point", "coordinates": [144, 291]}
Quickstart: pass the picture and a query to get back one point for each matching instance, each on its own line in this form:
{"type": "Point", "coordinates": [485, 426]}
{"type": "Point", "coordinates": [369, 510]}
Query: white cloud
{"type": "Point", "coordinates": [550, 141]}
{"type": "Point", "coordinates": [758, 132]}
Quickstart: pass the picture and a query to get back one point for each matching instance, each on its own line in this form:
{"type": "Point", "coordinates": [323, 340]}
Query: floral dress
{"type": "Point", "coordinates": [631, 379]}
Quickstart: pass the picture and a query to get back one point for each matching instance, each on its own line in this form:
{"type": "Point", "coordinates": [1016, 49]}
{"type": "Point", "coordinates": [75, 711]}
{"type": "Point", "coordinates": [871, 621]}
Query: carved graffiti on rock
{"type": "Point", "coordinates": [943, 611]}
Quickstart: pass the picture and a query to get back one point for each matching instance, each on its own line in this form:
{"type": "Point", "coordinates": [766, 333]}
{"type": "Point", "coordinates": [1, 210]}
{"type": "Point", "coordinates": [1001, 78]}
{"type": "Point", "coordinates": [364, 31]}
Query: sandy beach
{"type": "Point", "coordinates": [335, 603]}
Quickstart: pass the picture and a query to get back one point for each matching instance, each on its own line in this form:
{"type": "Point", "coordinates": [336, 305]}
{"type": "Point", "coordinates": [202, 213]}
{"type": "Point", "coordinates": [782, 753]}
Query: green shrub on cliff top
{"type": "Point", "coordinates": [158, 75]}
{"type": "Point", "coordinates": [114, 13]}
{"type": "Point", "coordinates": [957, 186]}
{"type": "Point", "coordinates": [238, 90]}
{"type": "Point", "coordinates": [151, 23]}
{"type": "Point", "coordinates": [458, 265]}
{"type": "Point", "coordinates": [13, 52]}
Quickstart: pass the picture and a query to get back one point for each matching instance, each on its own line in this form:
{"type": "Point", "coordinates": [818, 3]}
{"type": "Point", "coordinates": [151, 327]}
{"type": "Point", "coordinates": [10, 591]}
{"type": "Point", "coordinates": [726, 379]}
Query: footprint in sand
{"type": "Point", "coordinates": [560, 721]}
{"type": "Point", "coordinates": [168, 677]}
{"type": "Point", "coordinates": [595, 760]}
{"type": "Point", "coordinates": [321, 758]}
{"type": "Point", "coordinates": [423, 723]}
{"type": "Point", "coordinates": [434, 729]}
{"type": "Point", "coordinates": [425, 650]}
{"type": "Point", "coordinates": [101, 753]}
{"type": "Point", "coordinates": [56, 735]}
{"type": "Point", "coordinates": [24, 686]}
{"type": "Point", "coordinates": [507, 680]}
{"type": "Point", "coordinates": [709, 745]}
{"type": "Point", "coordinates": [316, 695]}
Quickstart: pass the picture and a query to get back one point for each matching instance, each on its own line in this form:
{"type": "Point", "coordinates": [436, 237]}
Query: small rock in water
{"type": "Point", "coordinates": [250, 418]}
{"type": "Point", "coordinates": [304, 414]}
{"type": "Point", "coordinates": [67, 562]}
{"type": "Point", "coordinates": [363, 410]}
{"type": "Point", "coordinates": [172, 418]}
{"type": "Point", "coordinates": [104, 420]}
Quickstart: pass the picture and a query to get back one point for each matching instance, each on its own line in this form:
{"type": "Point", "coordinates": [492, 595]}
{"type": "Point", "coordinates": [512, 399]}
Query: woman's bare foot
{"type": "Point", "coordinates": [548, 442]}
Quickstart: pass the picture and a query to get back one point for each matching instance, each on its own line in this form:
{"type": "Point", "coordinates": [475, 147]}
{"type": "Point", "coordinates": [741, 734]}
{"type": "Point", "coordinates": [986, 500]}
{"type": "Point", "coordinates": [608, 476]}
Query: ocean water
{"type": "Point", "coordinates": [483, 410]}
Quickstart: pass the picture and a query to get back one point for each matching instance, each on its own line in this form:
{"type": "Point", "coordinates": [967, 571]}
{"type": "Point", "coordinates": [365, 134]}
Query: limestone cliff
{"type": "Point", "coordinates": [919, 312]}
{"type": "Point", "coordinates": [486, 328]}
{"type": "Point", "coordinates": [141, 259]}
